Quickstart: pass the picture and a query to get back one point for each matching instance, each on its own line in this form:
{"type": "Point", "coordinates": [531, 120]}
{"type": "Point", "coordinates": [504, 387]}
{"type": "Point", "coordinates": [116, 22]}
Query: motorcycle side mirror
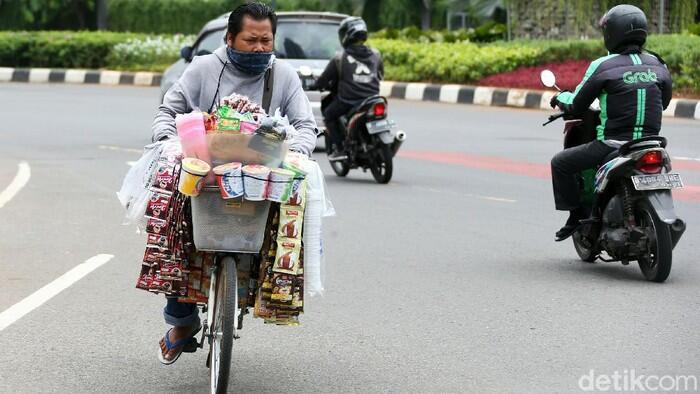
{"type": "Point", "coordinates": [186, 52]}
{"type": "Point", "coordinates": [548, 79]}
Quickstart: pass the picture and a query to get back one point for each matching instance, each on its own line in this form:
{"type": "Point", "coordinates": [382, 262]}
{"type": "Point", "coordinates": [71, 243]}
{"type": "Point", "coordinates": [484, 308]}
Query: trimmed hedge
{"type": "Point", "coordinates": [165, 16]}
{"type": "Point", "coordinates": [467, 62]}
{"type": "Point", "coordinates": [92, 50]}
{"type": "Point", "coordinates": [60, 49]}
{"type": "Point", "coordinates": [459, 62]}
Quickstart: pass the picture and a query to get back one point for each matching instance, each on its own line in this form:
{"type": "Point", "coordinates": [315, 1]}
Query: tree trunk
{"type": "Point", "coordinates": [425, 14]}
{"type": "Point", "coordinates": [101, 6]}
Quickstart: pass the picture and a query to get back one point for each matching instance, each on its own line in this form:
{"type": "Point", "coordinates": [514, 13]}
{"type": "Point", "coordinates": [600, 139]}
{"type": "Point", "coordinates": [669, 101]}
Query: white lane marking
{"type": "Point", "coordinates": [469, 195]}
{"type": "Point", "coordinates": [120, 149]}
{"type": "Point", "coordinates": [24, 172]}
{"type": "Point", "coordinates": [39, 297]}
{"type": "Point", "coordinates": [686, 158]}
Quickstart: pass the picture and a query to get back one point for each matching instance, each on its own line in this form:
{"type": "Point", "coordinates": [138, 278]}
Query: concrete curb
{"type": "Point", "coordinates": [504, 97]}
{"type": "Point", "coordinates": [455, 94]}
{"type": "Point", "coordinates": [101, 77]}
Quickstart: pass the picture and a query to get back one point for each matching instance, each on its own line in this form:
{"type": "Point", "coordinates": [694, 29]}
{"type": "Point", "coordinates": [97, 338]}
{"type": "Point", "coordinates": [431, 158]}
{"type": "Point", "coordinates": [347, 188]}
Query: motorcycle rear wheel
{"type": "Point", "coordinates": [656, 265]}
{"type": "Point", "coordinates": [381, 164]}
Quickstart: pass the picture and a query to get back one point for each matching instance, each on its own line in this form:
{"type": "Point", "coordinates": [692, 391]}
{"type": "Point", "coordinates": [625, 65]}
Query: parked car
{"type": "Point", "coordinates": [307, 40]}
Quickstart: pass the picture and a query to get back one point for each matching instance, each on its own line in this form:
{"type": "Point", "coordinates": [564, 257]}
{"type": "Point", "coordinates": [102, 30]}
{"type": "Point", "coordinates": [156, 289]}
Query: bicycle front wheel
{"type": "Point", "coordinates": [223, 328]}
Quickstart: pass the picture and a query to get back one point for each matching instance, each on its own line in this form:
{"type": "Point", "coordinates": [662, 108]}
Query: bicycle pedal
{"type": "Point", "coordinates": [191, 347]}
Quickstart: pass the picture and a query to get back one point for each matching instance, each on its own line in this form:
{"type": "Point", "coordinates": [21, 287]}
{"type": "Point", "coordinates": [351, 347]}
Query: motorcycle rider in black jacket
{"type": "Point", "coordinates": [351, 76]}
{"type": "Point", "coordinates": [633, 87]}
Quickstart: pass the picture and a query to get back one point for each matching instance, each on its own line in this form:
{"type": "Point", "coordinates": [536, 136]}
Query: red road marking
{"type": "Point", "coordinates": [688, 165]}
{"type": "Point", "coordinates": [498, 164]}
{"type": "Point", "coordinates": [536, 170]}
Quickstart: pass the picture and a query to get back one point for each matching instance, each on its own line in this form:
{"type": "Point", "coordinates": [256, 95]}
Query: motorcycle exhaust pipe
{"type": "Point", "coordinates": [677, 229]}
{"type": "Point", "coordinates": [398, 140]}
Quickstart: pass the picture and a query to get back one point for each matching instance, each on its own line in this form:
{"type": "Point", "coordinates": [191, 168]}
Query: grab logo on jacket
{"type": "Point", "coordinates": [635, 77]}
{"type": "Point", "coordinates": [362, 73]}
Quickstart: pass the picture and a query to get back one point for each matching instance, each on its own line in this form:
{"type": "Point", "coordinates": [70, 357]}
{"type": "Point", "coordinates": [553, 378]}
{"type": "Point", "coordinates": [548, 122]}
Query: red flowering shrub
{"type": "Point", "coordinates": [569, 73]}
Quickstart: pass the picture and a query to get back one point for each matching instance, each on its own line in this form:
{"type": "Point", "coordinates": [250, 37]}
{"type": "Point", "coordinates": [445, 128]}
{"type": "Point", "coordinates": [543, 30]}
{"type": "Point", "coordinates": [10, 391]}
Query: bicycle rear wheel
{"type": "Point", "coordinates": [223, 326]}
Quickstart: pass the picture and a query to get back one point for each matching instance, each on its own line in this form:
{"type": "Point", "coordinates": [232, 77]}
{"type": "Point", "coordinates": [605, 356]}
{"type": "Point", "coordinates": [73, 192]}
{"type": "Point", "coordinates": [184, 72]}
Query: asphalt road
{"type": "Point", "coordinates": [445, 280]}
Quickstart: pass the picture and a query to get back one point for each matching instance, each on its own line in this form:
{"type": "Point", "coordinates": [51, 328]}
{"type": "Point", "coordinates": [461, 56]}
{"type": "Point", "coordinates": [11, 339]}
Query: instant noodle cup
{"type": "Point", "coordinates": [229, 177]}
{"type": "Point", "coordinates": [192, 176]}
{"type": "Point", "coordinates": [255, 182]}
{"type": "Point", "coordinates": [280, 185]}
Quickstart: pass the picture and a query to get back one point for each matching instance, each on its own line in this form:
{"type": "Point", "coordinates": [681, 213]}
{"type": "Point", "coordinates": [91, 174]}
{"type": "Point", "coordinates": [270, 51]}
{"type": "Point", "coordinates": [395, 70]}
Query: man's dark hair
{"type": "Point", "coordinates": [255, 10]}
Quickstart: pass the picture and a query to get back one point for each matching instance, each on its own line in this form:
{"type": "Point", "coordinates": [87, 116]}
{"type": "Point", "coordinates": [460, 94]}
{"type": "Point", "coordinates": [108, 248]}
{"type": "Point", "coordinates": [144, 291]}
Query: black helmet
{"type": "Point", "coordinates": [624, 25]}
{"type": "Point", "coordinates": [352, 30]}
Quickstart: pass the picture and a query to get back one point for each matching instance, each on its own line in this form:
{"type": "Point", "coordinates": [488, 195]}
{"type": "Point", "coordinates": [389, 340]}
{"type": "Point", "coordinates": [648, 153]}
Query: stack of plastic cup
{"type": "Point", "coordinates": [312, 234]}
{"type": "Point", "coordinates": [190, 129]}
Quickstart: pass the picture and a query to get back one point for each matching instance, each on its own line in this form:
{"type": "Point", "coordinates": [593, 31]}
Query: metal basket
{"type": "Point", "coordinates": [220, 225]}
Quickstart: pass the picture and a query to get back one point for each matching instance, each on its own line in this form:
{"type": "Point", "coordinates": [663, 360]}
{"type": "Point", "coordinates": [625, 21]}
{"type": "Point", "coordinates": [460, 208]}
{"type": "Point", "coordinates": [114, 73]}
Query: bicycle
{"type": "Point", "coordinates": [235, 230]}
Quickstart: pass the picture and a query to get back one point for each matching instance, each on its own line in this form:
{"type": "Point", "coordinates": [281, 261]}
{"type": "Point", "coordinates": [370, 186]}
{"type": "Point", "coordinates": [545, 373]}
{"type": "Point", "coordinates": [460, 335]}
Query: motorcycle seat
{"type": "Point", "coordinates": [638, 144]}
{"type": "Point", "coordinates": [612, 155]}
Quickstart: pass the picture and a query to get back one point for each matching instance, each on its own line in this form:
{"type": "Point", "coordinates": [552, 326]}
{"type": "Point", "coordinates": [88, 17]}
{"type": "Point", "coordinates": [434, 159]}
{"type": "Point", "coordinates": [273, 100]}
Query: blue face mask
{"type": "Point", "coordinates": [253, 63]}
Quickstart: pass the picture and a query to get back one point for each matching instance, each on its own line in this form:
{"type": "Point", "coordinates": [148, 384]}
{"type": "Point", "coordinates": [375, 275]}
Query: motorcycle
{"type": "Point", "coordinates": [371, 141]}
{"type": "Point", "coordinates": [632, 216]}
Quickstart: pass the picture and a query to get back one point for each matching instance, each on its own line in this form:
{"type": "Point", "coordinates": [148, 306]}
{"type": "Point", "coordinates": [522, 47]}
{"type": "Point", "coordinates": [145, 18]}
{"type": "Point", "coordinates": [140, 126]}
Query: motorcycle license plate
{"type": "Point", "coordinates": [379, 126]}
{"type": "Point", "coordinates": [655, 182]}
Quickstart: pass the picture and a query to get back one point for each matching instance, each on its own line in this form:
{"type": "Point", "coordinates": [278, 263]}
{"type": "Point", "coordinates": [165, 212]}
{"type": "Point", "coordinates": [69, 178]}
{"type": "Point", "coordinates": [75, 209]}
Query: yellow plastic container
{"type": "Point", "coordinates": [192, 176]}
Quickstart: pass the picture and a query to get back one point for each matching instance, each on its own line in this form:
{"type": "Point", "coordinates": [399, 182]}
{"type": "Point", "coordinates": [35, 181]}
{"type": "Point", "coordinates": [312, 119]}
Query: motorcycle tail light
{"type": "Point", "coordinates": [651, 162]}
{"type": "Point", "coordinates": [378, 110]}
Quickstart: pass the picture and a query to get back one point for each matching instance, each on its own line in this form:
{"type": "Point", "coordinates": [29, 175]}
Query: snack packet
{"type": "Point", "coordinates": [287, 258]}
{"type": "Point", "coordinates": [282, 285]}
{"type": "Point", "coordinates": [291, 220]}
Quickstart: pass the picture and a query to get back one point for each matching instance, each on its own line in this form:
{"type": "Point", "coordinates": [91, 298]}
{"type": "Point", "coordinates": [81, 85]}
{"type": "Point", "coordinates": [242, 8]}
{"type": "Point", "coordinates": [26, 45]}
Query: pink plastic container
{"type": "Point", "coordinates": [190, 129]}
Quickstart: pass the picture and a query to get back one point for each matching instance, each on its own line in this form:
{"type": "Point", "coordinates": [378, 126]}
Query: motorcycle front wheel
{"type": "Point", "coordinates": [656, 264]}
{"type": "Point", "coordinates": [585, 253]}
{"type": "Point", "coordinates": [381, 164]}
{"type": "Point", "coordinates": [340, 167]}
{"type": "Point", "coordinates": [223, 326]}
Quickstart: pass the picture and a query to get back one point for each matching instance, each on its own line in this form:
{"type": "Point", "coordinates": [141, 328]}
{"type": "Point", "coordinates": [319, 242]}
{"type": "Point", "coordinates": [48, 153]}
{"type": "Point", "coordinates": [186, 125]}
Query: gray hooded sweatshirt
{"type": "Point", "coordinates": [196, 88]}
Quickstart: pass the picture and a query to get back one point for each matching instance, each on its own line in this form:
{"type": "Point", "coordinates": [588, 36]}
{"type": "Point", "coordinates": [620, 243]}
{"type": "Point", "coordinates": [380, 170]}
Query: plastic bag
{"type": "Point", "coordinates": [318, 205]}
{"type": "Point", "coordinates": [135, 191]}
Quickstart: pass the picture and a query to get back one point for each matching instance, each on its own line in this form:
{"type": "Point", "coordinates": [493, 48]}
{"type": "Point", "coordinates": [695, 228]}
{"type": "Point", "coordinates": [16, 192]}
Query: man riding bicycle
{"type": "Point", "coordinates": [242, 66]}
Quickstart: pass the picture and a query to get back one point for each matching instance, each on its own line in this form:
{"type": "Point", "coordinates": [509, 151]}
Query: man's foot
{"type": "Point", "coordinates": [175, 335]}
{"type": "Point", "coordinates": [572, 224]}
{"type": "Point", "coordinates": [337, 156]}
